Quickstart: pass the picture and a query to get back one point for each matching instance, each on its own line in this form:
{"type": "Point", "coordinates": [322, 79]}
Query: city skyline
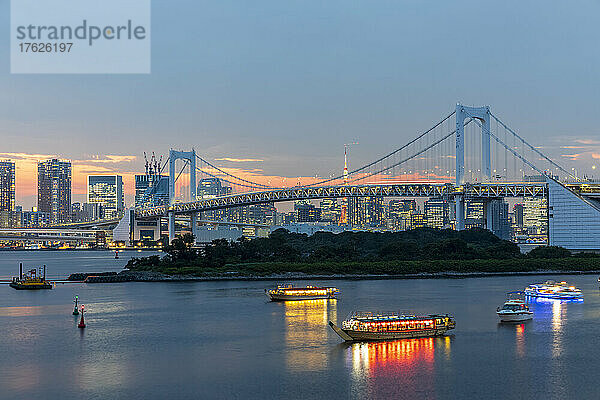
{"type": "Point", "coordinates": [247, 98]}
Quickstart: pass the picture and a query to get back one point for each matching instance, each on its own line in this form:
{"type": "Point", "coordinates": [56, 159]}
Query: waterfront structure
{"type": "Point", "coordinates": [54, 189]}
{"type": "Point", "coordinates": [107, 191]}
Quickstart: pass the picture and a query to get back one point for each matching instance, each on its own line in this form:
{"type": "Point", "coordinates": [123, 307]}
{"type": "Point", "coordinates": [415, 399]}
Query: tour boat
{"type": "Point", "coordinates": [391, 326]}
{"type": "Point", "coordinates": [553, 290]}
{"type": "Point", "coordinates": [514, 309]}
{"type": "Point", "coordinates": [30, 280]}
{"type": "Point", "coordinates": [289, 292]}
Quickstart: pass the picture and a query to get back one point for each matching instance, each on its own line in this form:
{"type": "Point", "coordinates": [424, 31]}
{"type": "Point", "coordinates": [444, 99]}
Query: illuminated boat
{"type": "Point", "coordinates": [30, 280]}
{"type": "Point", "coordinates": [391, 326]}
{"type": "Point", "coordinates": [289, 292]}
{"type": "Point", "coordinates": [514, 309]}
{"type": "Point", "coordinates": [553, 290]}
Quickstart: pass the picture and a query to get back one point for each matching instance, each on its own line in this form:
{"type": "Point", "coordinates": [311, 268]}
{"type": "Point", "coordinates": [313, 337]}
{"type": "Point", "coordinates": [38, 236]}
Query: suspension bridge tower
{"type": "Point", "coordinates": [483, 115]}
{"type": "Point", "coordinates": [190, 158]}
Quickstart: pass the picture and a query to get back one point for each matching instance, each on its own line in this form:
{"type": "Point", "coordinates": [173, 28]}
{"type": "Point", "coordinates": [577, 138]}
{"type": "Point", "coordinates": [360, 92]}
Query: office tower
{"type": "Point", "coordinates": [437, 213]}
{"type": "Point", "coordinates": [500, 224]}
{"type": "Point", "coordinates": [107, 191]}
{"type": "Point", "coordinates": [307, 213]}
{"type": "Point", "coordinates": [209, 187]}
{"type": "Point", "coordinates": [399, 215]}
{"type": "Point", "coordinates": [518, 210]}
{"type": "Point", "coordinates": [417, 220]}
{"type": "Point", "coordinates": [535, 215]}
{"type": "Point", "coordinates": [151, 190]}
{"type": "Point", "coordinates": [54, 190]}
{"type": "Point", "coordinates": [366, 212]}
{"type": "Point", "coordinates": [330, 211]}
{"type": "Point", "coordinates": [474, 214]}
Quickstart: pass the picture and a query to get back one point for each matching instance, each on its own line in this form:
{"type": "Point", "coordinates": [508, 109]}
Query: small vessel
{"type": "Point", "coordinates": [391, 326]}
{"type": "Point", "coordinates": [30, 280]}
{"type": "Point", "coordinates": [289, 292]}
{"type": "Point", "coordinates": [514, 309]}
{"type": "Point", "coordinates": [553, 290]}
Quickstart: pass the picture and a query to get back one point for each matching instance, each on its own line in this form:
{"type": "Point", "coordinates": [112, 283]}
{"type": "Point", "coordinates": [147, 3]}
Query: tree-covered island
{"type": "Point", "coordinates": [423, 250]}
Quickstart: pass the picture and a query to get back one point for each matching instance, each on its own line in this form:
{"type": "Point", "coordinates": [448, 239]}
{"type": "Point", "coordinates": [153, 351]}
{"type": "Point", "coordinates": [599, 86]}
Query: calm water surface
{"type": "Point", "coordinates": [223, 340]}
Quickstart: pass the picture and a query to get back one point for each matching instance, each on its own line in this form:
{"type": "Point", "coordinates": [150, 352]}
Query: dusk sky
{"type": "Point", "coordinates": [280, 86]}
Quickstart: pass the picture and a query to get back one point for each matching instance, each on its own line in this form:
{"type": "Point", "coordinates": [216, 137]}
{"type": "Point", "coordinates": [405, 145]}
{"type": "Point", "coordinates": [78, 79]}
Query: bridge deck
{"type": "Point", "coordinates": [481, 190]}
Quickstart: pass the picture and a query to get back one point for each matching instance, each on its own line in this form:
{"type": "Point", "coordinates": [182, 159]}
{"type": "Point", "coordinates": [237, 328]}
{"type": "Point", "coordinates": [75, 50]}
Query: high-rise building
{"type": "Point", "coordinates": [366, 212]}
{"type": "Point", "coordinates": [7, 185]}
{"type": "Point", "coordinates": [518, 210]}
{"type": "Point", "coordinates": [307, 213]}
{"type": "Point", "coordinates": [151, 190]}
{"type": "Point", "coordinates": [330, 211]}
{"type": "Point", "coordinates": [535, 215]}
{"type": "Point", "coordinates": [437, 213]}
{"type": "Point", "coordinates": [54, 190]}
{"type": "Point", "coordinates": [417, 220]}
{"type": "Point", "coordinates": [399, 215]}
{"type": "Point", "coordinates": [474, 214]}
{"type": "Point", "coordinates": [500, 223]}
{"type": "Point", "coordinates": [107, 191]}
{"type": "Point", "coordinates": [8, 216]}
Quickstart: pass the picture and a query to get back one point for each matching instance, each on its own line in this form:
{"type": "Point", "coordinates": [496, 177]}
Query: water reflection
{"type": "Point", "coordinates": [306, 332]}
{"type": "Point", "coordinates": [400, 369]}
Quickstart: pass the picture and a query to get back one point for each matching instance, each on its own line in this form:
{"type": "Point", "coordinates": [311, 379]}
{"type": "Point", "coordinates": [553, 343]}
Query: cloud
{"type": "Point", "coordinates": [108, 159]}
{"type": "Point", "coordinates": [572, 157]}
{"type": "Point", "coordinates": [596, 156]}
{"type": "Point", "coordinates": [589, 142]}
{"type": "Point", "coordinates": [27, 157]}
{"type": "Point", "coordinates": [239, 160]}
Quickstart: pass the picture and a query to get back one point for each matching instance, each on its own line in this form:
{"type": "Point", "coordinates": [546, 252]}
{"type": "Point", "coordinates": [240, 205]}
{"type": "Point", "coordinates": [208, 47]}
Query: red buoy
{"type": "Point", "coordinates": [81, 322]}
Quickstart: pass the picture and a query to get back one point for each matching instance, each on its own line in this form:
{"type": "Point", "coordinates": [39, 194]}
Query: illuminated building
{"type": "Point", "coordinates": [107, 191]}
{"type": "Point", "coordinates": [151, 190]}
{"type": "Point", "coordinates": [7, 185]}
{"type": "Point", "coordinates": [8, 216]}
{"type": "Point", "coordinates": [330, 211]}
{"type": "Point", "coordinates": [436, 213]}
{"type": "Point", "coordinates": [474, 214]}
{"type": "Point", "coordinates": [307, 212]}
{"type": "Point", "coordinates": [54, 190]}
{"type": "Point", "coordinates": [399, 214]}
{"type": "Point", "coordinates": [417, 220]}
{"type": "Point", "coordinates": [535, 215]}
{"type": "Point", "coordinates": [366, 212]}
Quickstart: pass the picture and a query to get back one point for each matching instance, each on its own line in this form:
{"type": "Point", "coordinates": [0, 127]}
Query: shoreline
{"type": "Point", "coordinates": [146, 276]}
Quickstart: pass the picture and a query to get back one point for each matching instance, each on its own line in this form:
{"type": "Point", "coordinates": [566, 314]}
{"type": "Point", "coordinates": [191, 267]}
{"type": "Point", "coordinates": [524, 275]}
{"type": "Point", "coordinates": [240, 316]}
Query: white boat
{"type": "Point", "coordinates": [514, 310]}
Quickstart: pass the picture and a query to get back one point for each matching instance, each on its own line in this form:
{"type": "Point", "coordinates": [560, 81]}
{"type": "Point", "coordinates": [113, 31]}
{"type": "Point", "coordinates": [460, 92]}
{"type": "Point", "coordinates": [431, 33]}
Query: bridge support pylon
{"type": "Point", "coordinates": [482, 114]}
{"type": "Point", "coordinates": [190, 157]}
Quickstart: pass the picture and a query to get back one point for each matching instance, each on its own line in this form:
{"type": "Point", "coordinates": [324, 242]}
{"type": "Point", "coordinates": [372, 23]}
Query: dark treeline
{"type": "Point", "coordinates": [358, 248]}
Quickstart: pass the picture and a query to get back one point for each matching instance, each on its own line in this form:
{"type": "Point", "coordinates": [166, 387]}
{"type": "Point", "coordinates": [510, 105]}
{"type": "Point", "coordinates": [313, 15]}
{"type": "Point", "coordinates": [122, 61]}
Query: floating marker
{"type": "Point", "coordinates": [81, 322]}
{"type": "Point", "coordinates": [75, 310]}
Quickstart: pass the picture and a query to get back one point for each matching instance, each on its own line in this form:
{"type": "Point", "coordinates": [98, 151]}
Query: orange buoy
{"type": "Point", "coordinates": [81, 322]}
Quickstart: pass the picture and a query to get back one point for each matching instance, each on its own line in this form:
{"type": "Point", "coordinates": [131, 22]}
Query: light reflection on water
{"type": "Point", "coordinates": [400, 368]}
{"type": "Point", "coordinates": [306, 330]}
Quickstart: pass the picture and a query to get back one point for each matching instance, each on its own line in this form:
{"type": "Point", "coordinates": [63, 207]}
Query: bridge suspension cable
{"type": "Point", "coordinates": [254, 184]}
{"type": "Point", "coordinates": [387, 156]}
